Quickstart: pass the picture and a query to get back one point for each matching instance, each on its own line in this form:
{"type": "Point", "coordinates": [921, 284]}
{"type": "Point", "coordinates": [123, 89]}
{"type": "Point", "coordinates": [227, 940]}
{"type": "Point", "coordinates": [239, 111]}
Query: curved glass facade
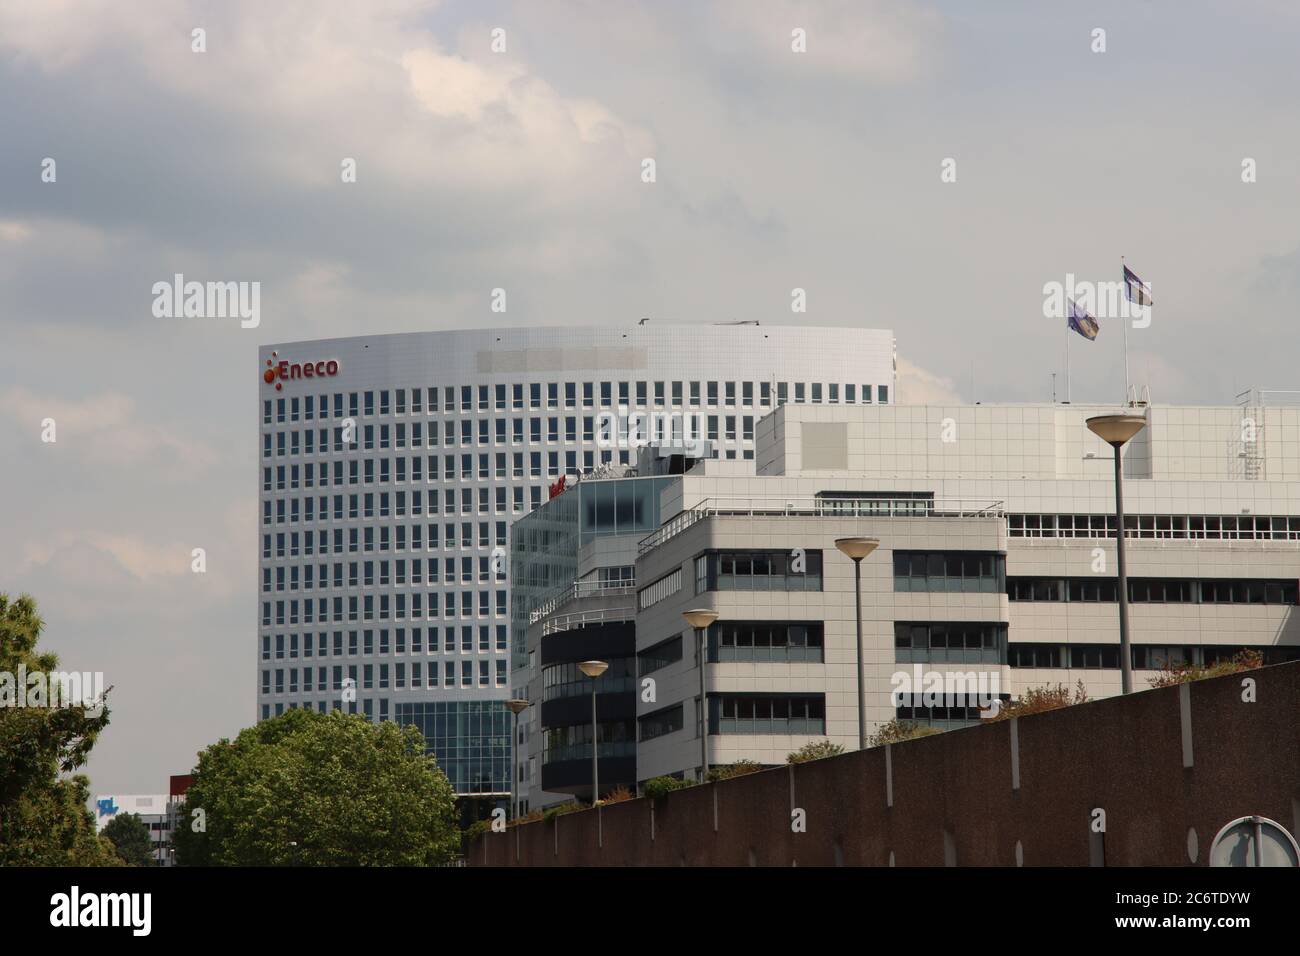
{"type": "Point", "coordinates": [566, 680]}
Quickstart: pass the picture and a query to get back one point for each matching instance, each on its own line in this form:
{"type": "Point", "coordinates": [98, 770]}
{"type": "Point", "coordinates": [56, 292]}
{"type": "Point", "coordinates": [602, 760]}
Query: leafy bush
{"type": "Point", "coordinates": [814, 751]}
{"type": "Point", "coordinates": [896, 731]}
{"type": "Point", "coordinates": [1038, 700]}
{"type": "Point", "coordinates": [560, 809]}
{"type": "Point", "coordinates": [656, 788]}
{"type": "Point", "coordinates": [728, 770]}
{"type": "Point", "coordinates": [619, 794]}
{"type": "Point", "coordinates": [1182, 673]}
{"type": "Point", "coordinates": [476, 829]}
{"type": "Point", "coordinates": [532, 816]}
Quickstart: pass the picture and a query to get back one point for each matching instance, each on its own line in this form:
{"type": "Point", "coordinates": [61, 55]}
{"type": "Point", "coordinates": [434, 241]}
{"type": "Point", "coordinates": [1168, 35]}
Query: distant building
{"type": "Point", "coordinates": [154, 810]}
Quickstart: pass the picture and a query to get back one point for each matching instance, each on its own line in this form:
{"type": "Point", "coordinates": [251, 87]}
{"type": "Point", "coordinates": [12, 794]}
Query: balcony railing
{"type": "Point", "coordinates": [579, 589]}
{"type": "Point", "coordinates": [586, 618]}
{"type": "Point", "coordinates": [821, 507]}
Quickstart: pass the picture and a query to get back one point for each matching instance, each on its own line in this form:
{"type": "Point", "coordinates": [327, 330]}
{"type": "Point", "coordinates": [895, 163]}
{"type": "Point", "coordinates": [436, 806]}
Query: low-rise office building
{"type": "Point", "coordinates": [996, 557]}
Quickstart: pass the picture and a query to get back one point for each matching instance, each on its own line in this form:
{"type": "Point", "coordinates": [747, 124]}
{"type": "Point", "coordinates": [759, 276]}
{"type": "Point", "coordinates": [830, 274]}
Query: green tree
{"type": "Point", "coordinates": [130, 838]}
{"type": "Point", "coordinates": [44, 819]}
{"type": "Point", "coordinates": [317, 789]}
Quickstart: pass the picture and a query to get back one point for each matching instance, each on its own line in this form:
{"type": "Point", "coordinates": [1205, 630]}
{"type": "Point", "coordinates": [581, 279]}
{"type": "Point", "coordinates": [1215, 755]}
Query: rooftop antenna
{"type": "Point", "coordinates": [644, 320]}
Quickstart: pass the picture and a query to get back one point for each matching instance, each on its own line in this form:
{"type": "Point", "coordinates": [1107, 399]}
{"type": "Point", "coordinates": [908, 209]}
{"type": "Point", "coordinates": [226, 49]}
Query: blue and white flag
{"type": "Point", "coordinates": [1138, 291]}
{"type": "Point", "coordinates": [1082, 322]}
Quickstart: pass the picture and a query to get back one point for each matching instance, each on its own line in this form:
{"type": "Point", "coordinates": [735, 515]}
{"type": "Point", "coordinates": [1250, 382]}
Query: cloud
{"type": "Point", "coordinates": [916, 386]}
{"type": "Point", "coordinates": [103, 430]}
{"type": "Point", "coordinates": [883, 42]}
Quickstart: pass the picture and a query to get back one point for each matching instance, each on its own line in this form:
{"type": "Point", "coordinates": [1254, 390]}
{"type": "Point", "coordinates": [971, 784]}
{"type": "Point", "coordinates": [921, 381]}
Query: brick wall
{"type": "Point", "coordinates": [1162, 764]}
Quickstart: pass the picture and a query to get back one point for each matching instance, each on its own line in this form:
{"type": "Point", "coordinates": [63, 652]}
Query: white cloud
{"type": "Point", "coordinates": [916, 386]}
{"type": "Point", "coordinates": [103, 430]}
{"type": "Point", "coordinates": [884, 42]}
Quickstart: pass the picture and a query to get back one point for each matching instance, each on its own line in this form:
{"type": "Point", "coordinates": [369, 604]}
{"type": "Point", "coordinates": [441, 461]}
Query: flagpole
{"type": "Point", "coordinates": [1124, 319]}
{"type": "Point", "coordinates": [1067, 357]}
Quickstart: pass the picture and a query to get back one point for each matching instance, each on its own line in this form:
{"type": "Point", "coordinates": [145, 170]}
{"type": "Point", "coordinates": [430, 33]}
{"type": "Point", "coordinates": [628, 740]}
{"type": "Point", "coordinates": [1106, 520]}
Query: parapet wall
{"type": "Point", "coordinates": [1168, 768]}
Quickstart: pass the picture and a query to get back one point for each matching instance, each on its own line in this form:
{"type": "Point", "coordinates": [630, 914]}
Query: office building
{"type": "Point", "coordinates": [996, 558]}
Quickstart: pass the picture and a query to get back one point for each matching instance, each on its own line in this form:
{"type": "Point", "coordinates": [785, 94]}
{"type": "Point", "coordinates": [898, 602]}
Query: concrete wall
{"type": "Point", "coordinates": [1169, 767]}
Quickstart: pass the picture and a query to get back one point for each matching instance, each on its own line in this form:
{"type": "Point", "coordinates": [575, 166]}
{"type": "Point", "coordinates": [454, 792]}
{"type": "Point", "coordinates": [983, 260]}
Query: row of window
{"type": "Point", "coordinates": [364, 642]}
{"type": "Point", "coordinates": [292, 543]}
{"type": "Point", "coordinates": [609, 434]}
{"type": "Point", "coordinates": [1157, 527]}
{"type": "Point", "coordinates": [1145, 656]}
{"type": "Point", "coordinates": [661, 722]}
{"type": "Point", "coordinates": [767, 714]}
{"type": "Point", "coordinates": [657, 591]}
{"type": "Point", "coordinates": [372, 676]}
{"type": "Point", "coordinates": [469, 398]}
{"type": "Point", "coordinates": [965, 571]}
{"type": "Point", "coordinates": [765, 641]}
{"type": "Point", "coordinates": [487, 500]}
{"type": "Point", "coordinates": [363, 608]}
{"type": "Point", "coordinates": [363, 574]}
{"type": "Point", "coordinates": [660, 655]}
{"type": "Point", "coordinates": [1156, 590]}
{"type": "Point", "coordinates": [950, 642]}
{"type": "Point", "coordinates": [616, 738]}
{"type": "Point", "coordinates": [735, 570]}
{"type": "Point", "coordinates": [363, 706]}
{"type": "Point", "coordinates": [566, 680]}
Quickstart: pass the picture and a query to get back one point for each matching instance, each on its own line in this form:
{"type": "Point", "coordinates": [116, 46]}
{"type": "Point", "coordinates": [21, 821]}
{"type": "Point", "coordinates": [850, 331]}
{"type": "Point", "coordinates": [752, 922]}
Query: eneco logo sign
{"type": "Point", "coordinates": [277, 372]}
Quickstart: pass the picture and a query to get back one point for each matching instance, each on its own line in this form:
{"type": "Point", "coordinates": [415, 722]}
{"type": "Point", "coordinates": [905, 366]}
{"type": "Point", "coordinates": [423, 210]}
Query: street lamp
{"type": "Point", "coordinates": [858, 548]}
{"type": "Point", "coordinates": [1115, 430]}
{"type": "Point", "coordinates": [700, 618]}
{"type": "Point", "coordinates": [516, 706]}
{"type": "Point", "coordinates": [594, 669]}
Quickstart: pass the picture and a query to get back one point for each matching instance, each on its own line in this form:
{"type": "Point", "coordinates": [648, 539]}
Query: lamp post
{"type": "Point", "coordinates": [516, 706]}
{"type": "Point", "coordinates": [1116, 430]}
{"type": "Point", "coordinates": [700, 618]}
{"type": "Point", "coordinates": [858, 548]}
{"type": "Point", "coordinates": [594, 669]}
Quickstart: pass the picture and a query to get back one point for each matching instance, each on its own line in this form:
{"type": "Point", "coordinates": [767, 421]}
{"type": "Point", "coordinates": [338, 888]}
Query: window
{"type": "Point", "coordinates": [660, 655]}
{"type": "Point", "coordinates": [950, 642]}
{"type": "Point", "coordinates": [762, 714]}
{"type": "Point", "coordinates": [661, 722]}
{"type": "Point", "coordinates": [765, 641]}
{"type": "Point", "coordinates": [965, 571]}
{"type": "Point", "coordinates": [758, 571]}
{"type": "Point", "coordinates": [666, 586]}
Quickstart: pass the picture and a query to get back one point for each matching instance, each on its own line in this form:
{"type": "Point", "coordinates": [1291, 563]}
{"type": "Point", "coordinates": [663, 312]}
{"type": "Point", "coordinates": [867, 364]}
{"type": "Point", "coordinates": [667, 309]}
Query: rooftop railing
{"type": "Point", "coordinates": [585, 618]}
{"type": "Point", "coordinates": [579, 589]}
{"type": "Point", "coordinates": [821, 507]}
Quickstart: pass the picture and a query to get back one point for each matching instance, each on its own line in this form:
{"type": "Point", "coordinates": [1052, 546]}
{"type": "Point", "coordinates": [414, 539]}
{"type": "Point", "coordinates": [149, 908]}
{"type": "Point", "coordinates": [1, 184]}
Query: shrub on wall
{"type": "Point", "coordinates": [1037, 700]}
{"type": "Point", "coordinates": [1182, 673]}
{"type": "Point", "coordinates": [896, 731]}
{"type": "Point", "coordinates": [728, 770]}
{"type": "Point", "coordinates": [814, 751]}
{"type": "Point", "coordinates": [656, 788]}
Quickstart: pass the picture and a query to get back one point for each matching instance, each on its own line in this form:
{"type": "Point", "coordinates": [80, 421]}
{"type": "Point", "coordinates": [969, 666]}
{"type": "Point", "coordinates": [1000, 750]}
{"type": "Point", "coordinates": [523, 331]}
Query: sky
{"type": "Point", "coordinates": [522, 169]}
